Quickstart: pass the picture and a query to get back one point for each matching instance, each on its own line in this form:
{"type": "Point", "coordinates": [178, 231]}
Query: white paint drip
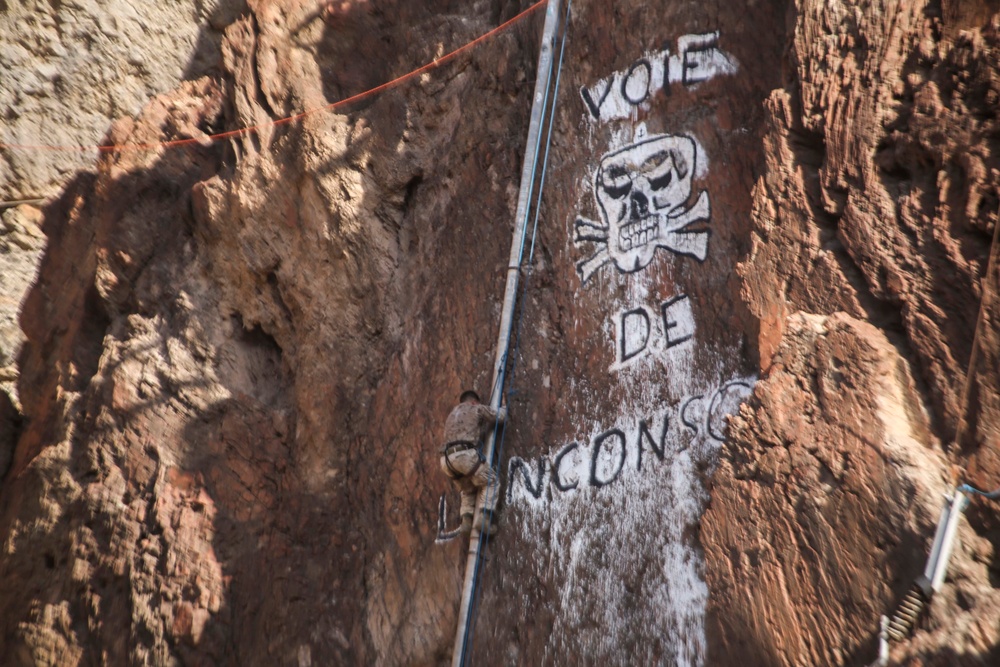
{"type": "Point", "coordinates": [621, 553]}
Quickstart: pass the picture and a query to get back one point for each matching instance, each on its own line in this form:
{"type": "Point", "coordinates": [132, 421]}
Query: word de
{"type": "Point", "coordinates": [641, 192]}
{"type": "Point", "coordinates": [642, 330]}
{"type": "Point", "coordinates": [600, 463]}
{"type": "Point", "coordinates": [697, 59]}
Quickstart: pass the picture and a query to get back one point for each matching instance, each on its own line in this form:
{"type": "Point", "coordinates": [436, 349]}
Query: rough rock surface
{"type": "Point", "coordinates": [878, 203]}
{"type": "Point", "coordinates": [239, 353]}
{"type": "Point", "coordinates": [70, 68]}
{"type": "Point", "coordinates": [21, 246]}
{"type": "Point", "coordinates": [835, 450]}
{"type": "Point", "coordinates": [67, 70]}
{"type": "Point", "coordinates": [204, 461]}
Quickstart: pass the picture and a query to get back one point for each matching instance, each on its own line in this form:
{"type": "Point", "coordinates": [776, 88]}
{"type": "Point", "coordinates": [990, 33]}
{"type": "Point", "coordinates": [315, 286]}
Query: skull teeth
{"type": "Point", "coordinates": [638, 233]}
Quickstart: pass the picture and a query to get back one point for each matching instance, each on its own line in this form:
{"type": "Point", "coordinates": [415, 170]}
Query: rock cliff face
{"type": "Point", "coordinates": [69, 70]}
{"type": "Point", "coordinates": [739, 382]}
{"type": "Point", "coordinates": [876, 206]}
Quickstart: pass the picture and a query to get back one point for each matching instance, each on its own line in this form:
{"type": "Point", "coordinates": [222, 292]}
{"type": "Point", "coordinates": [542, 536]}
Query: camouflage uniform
{"type": "Point", "coordinates": [467, 425]}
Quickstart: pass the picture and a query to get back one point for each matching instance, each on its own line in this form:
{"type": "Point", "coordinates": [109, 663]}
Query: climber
{"type": "Point", "coordinates": [463, 461]}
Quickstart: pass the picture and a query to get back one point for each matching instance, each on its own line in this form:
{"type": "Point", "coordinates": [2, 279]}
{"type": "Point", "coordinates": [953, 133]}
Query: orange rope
{"type": "Point", "coordinates": [290, 119]}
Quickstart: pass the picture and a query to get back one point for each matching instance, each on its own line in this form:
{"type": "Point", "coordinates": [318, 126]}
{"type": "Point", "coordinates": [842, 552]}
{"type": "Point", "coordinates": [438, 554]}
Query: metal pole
{"type": "Point", "coordinates": [932, 559]}
{"type": "Point", "coordinates": [510, 297]}
{"type": "Point", "coordinates": [958, 503]}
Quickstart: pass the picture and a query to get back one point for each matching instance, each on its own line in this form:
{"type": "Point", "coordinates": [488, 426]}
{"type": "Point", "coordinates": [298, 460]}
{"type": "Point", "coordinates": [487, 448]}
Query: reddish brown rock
{"type": "Point", "coordinates": [205, 470]}
{"type": "Point", "coordinates": [835, 451]}
{"type": "Point", "coordinates": [879, 203]}
{"type": "Point", "coordinates": [240, 352]}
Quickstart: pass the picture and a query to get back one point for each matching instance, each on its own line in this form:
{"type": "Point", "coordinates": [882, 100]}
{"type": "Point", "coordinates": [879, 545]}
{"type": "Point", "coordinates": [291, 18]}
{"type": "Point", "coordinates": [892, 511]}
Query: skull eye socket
{"type": "Point", "coordinates": [660, 182]}
{"type": "Point", "coordinates": [659, 169]}
{"type": "Point", "coordinates": [616, 181]}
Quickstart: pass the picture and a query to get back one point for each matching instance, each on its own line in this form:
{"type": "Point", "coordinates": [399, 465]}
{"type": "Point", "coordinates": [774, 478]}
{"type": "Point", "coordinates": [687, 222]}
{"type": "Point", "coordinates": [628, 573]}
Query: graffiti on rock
{"type": "Point", "coordinates": [532, 485]}
{"type": "Point", "coordinates": [443, 534]}
{"type": "Point", "coordinates": [612, 451]}
{"type": "Point", "coordinates": [642, 192]}
{"type": "Point", "coordinates": [642, 331]}
{"type": "Point", "coordinates": [649, 193]}
{"type": "Point", "coordinates": [696, 59]}
{"type": "Point", "coordinates": [726, 402]}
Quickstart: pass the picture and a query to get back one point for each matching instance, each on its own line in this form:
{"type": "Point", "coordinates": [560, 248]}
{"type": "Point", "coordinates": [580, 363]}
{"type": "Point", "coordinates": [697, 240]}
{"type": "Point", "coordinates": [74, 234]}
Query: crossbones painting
{"type": "Point", "coordinates": [641, 191]}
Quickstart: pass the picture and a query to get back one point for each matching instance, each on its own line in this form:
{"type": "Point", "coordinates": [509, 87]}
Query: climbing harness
{"type": "Point", "coordinates": [460, 446]}
{"type": "Point", "coordinates": [479, 540]}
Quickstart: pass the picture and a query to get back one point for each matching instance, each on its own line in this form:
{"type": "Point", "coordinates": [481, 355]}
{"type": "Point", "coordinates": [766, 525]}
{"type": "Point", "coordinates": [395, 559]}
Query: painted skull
{"type": "Point", "coordinates": [639, 186]}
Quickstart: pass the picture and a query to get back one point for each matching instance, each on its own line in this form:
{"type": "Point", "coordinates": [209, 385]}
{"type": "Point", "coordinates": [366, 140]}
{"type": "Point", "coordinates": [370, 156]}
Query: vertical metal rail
{"type": "Point", "coordinates": [542, 79]}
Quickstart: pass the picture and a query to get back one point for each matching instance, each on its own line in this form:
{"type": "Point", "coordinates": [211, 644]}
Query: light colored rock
{"type": "Point", "coordinates": [70, 68]}
{"type": "Point", "coordinates": [21, 246]}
